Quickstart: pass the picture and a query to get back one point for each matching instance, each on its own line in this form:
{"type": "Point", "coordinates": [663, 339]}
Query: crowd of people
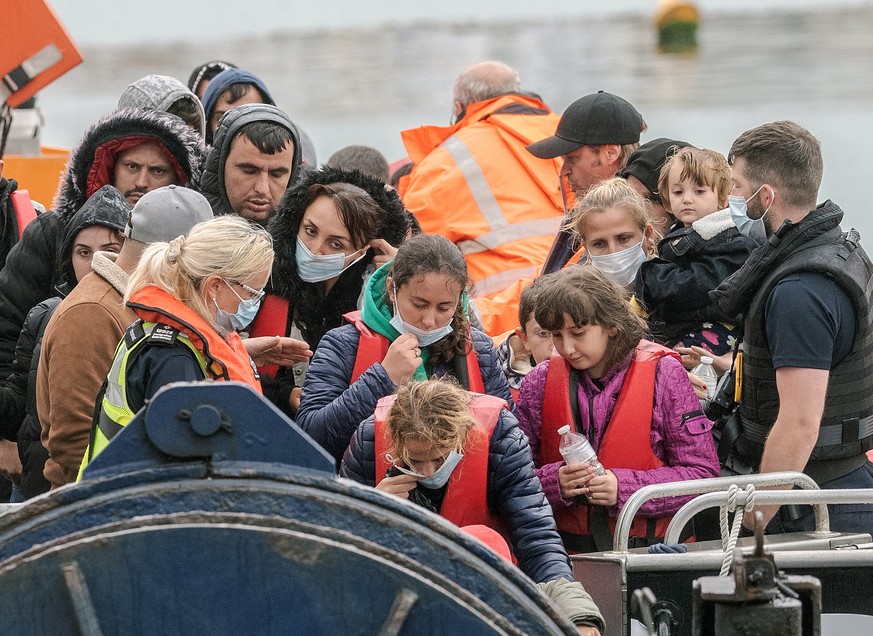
{"type": "Point", "coordinates": [433, 327]}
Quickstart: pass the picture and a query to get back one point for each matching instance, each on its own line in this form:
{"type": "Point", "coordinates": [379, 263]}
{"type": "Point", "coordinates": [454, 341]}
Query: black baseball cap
{"type": "Point", "coordinates": [646, 162]}
{"type": "Point", "coordinates": [599, 118]}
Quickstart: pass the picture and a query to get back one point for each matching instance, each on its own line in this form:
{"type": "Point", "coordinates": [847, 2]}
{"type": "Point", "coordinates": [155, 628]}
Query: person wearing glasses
{"type": "Point", "coordinates": [191, 295]}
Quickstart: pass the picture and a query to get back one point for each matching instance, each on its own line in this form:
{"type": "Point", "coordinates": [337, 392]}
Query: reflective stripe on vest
{"type": "Point", "coordinates": [626, 442]}
{"type": "Point", "coordinates": [372, 347]}
{"type": "Point", "coordinates": [115, 412]}
{"type": "Point", "coordinates": [466, 499]}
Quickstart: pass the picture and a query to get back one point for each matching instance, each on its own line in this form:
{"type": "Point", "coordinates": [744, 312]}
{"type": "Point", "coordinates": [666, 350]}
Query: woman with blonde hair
{"type": "Point", "coordinates": [191, 295]}
{"type": "Point", "coordinates": [462, 456]}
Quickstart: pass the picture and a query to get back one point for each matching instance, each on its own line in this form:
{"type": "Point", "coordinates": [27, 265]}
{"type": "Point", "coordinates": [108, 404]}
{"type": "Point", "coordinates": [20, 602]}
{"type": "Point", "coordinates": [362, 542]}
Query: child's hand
{"type": "Point", "coordinates": [399, 485]}
{"type": "Point", "coordinates": [699, 386]}
{"type": "Point", "coordinates": [573, 479]}
{"type": "Point", "coordinates": [602, 490]}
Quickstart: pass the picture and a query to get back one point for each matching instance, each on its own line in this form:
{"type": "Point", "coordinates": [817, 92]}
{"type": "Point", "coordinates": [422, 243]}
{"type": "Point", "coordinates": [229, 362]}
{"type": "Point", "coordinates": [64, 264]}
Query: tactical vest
{"type": "Point", "coordinates": [847, 423]}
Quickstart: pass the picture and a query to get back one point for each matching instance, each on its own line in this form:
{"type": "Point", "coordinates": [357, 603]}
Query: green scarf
{"type": "Point", "coordinates": [377, 314]}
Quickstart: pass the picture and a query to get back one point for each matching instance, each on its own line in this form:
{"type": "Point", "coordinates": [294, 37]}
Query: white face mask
{"type": "Point", "coordinates": [621, 267]}
{"type": "Point", "coordinates": [426, 337]}
{"type": "Point", "coordinates": [315, 268]}
{"type": "Point", "coordinates": [752, 228]}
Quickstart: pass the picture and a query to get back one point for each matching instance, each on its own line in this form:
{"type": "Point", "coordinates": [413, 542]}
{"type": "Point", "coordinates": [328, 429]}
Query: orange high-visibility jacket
{"type": "Point", "coordinates": [475, 184]}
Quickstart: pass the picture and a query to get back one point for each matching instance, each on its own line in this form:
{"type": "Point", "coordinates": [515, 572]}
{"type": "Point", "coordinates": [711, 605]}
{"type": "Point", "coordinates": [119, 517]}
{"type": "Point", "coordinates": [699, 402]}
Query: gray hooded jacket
{"type": "Point", "coordinates": [159, 92]}
{"type": "Point", "coordinates": [212, 181]}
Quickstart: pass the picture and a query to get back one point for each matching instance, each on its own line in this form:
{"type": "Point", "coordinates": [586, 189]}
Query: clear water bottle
{"type": "Point", "coordinates": [575, 449]}
{"type": "Point", "coordinates": [705, 372]}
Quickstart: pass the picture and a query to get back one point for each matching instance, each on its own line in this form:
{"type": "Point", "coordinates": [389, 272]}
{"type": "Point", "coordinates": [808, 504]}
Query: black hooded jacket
{"type": "Point", "coordinates": [8, 220]}
{"type": "Point", "coordinates": [211, 183]}
{"type": "Point", "coordinates": [310, 311]}
{"type": "Point", "coordinates": [31, 272]}
{"type": "Point", "coordinates": [18, 413]}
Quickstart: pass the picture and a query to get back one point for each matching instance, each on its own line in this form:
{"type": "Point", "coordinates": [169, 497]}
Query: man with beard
{"type": "Point", "coordinates": [254, 159]}
{"type": "Point", "coordinates": [134, 150]}
{"type": "Point", "coordinates": [807, 396]}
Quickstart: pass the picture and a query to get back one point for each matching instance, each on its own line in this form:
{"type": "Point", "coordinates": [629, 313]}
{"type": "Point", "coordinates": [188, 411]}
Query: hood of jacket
{"type": "Point", "coordinates": [221, 83]}
{"type": "Point", "coordinates": [212, 179]}
{"type": "Point", "coordinates": [106, 207]}
{"type": "Point", "coordinates": [285, 225]}
{"type": "Point", "coordinates": [172, 133]}
{"type": "Point", "coordinates": [159, 92]}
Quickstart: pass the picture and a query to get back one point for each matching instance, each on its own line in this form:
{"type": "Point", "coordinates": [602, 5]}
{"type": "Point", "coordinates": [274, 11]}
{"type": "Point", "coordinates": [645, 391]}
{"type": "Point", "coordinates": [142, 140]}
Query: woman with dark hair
{"type": "Point", "coordinates": [331, 231]}
{"type": "Point", "coordinates": [413, 325]}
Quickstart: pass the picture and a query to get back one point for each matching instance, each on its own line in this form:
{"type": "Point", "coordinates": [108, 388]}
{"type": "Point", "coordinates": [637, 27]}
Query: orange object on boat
{"type": "Point", "coordinates": [36, 50]}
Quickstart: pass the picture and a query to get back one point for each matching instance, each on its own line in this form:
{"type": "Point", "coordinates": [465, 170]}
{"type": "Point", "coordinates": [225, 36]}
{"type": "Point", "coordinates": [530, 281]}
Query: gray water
{"type": "Point", "coordinates": [346, 85]}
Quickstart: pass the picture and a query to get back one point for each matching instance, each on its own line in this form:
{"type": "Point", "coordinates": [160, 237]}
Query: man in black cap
{"type": "Point", "coordinates": [595, 136]}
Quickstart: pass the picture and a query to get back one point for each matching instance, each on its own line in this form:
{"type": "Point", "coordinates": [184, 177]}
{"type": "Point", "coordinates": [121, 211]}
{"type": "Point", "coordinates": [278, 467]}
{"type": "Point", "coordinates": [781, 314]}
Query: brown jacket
{"type": "Point", "coordinates": [77, 351]}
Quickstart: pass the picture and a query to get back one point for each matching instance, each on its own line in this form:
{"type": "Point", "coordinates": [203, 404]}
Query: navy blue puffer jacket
{"type": "Point", "coordinates": [514, 493]}
{"type": "Point", "coordinates": [330, 409]}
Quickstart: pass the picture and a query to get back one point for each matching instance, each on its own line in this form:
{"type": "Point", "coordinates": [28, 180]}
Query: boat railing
{"type": "Point", "coordinates": [716, 485]}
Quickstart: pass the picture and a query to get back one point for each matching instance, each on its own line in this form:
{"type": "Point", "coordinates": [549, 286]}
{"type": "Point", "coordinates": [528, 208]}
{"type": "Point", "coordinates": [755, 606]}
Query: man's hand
{"type": "Point", "coordinates": [10, 462]}
{"type": "Point", "coordinates": [279, 350]}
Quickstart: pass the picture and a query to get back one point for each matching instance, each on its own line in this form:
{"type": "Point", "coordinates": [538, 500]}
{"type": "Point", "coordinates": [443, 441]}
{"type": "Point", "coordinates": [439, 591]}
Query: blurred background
{"type": "Point", "coordinates": [360, 72]}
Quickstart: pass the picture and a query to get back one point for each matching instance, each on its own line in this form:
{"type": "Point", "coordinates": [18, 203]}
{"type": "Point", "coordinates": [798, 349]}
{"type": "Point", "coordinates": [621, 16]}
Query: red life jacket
{"type": "Point", "coordinates": [272, 320]}
{"type": "Point", "coordinates": [466, 499]}
{"type": "Point", "coordinates": [627, 441]}
{"type": "Point", "coordinates": [373, 347]}
{"type": "Point", "coordinates": [24, 212]}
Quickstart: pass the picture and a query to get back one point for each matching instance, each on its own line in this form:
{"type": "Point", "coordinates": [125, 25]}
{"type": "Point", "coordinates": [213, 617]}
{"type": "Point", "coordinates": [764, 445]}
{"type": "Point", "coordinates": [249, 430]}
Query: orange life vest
{"type": "Point", "coordinates": [24, 212]}
{"type": "Point", "coordinates": [466, 499]}
{"type": "Point", "coordinates": [477, 185]}
{"type": "Point", "coordinates": [627, 440]}
{"type": "Point", "coordinates": [272, 320]}
{"type": "Point", "coordinates": [227, 358]}
{"type": "Point", "coordinates": [373, 346]}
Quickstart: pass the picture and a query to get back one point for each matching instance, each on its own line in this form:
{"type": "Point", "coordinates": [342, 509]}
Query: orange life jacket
{"type": "Point", "coordinates": [466, 499]}
{"type": "Point", "coordinates": [373, 347]}
{"type": "Point", "coordinates": [227, 358]}
{"type": "Point", "coordinates": [477, 185]}
{"type": "Point", "coordinates": [627, 440]}
{"type": "Point", "coordinates": [24, 212]}
{"type": "Point", "coordinates": [271, 320]}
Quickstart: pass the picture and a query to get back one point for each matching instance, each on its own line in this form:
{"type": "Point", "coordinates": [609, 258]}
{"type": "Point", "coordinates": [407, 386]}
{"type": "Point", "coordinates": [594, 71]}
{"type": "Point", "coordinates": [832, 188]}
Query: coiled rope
{"type": "Point", "coordinates": [729, 537]}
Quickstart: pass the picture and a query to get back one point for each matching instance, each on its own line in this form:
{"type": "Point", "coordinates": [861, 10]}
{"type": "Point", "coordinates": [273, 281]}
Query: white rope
{"type": "Point", "coordinates": [729, 537]}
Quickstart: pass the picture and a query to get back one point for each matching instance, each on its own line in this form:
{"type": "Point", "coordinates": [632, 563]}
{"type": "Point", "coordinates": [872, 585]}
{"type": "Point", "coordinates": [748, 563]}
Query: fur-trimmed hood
{"type": "Point", "coordinates": [182, 142]}
{"type": "Point", "coordinates": [212, 179]}
{"type": "Point", "coordinates": [285, 225]}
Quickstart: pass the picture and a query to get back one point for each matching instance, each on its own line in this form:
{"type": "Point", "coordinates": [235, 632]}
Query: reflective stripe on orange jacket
{"type": "Point", "coordinates": [477, 185]}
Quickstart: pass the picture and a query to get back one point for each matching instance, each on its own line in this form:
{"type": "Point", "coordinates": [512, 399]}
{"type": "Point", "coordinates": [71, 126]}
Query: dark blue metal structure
{"type": "Point", "coordinates": [213, 513]}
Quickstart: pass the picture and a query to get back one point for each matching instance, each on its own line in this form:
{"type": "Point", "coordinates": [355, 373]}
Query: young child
{"type": "Point", "coordinates": [701, 249]}
{"type": "Point", "coordinates": [630, 397]}
{"type": "Point", "coordinates": [462, 456]}
{"type": "Point", "coordinates": [527, 345]}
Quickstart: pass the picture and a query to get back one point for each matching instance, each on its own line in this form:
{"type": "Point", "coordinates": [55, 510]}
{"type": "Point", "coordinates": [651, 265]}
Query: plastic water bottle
{"type": "Point", "coordinates": [575, 449]}
{"type": "Point", "coordinates": [705, 372]}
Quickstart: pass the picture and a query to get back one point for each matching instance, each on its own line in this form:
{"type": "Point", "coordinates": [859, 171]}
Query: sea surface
{"type": "Point", "coordinates": [359, 73]}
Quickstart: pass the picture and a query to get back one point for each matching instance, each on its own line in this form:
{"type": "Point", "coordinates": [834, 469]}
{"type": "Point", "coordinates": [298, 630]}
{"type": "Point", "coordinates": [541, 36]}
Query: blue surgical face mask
{"type": "Point", "coordinates": [621, 267]}
{"type": "Point", "coordinates": [425, 337]}
{"type": "Point", "coordinates": [752, 228]}
{"type": "Point", "coordinates": [245, 312]}
{"type": "Point", "coordinates": [441, 477]}
{"type": "Point", "coordinates": [315, 268]}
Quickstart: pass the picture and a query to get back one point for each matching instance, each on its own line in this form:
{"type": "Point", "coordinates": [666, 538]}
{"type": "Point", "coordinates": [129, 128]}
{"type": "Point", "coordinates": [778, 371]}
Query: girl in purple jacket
{"type": "Point", "coordinates": [631, 398]}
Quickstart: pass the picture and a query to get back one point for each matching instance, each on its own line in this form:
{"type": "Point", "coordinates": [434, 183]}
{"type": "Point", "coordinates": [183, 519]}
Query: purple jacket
{"type": "Point", "coordinates": [680, 432]}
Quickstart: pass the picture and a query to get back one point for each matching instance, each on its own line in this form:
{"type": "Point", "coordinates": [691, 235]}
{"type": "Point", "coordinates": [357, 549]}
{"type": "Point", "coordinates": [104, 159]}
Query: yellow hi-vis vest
{"type": "Point", "coordinates": [115, 413]}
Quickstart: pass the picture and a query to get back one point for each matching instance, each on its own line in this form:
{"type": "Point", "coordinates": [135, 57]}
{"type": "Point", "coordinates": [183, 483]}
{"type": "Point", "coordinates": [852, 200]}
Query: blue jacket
{"type": "Point", "coordinates": [330, 409]}
{"type": "Point", "coordinates": [514, 493]}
